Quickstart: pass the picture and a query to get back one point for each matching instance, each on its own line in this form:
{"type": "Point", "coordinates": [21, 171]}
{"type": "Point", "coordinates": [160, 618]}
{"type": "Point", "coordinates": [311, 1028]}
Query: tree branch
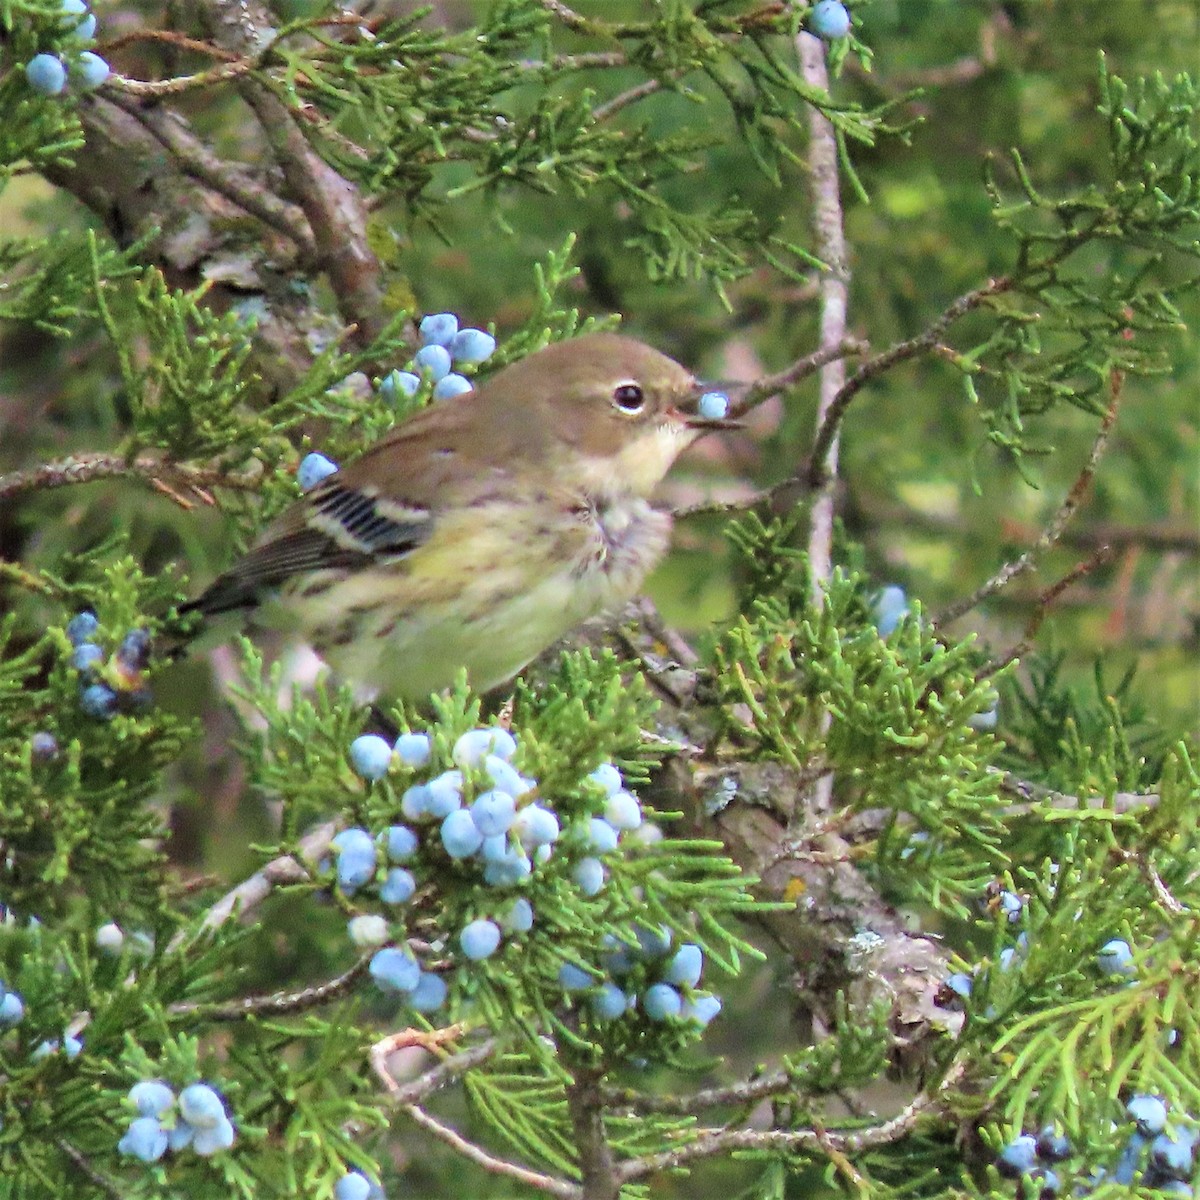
{"type": "Point", "coordinates": [489, 1162]}
{"type": "Point", "coordinates": [84, 468]}
{"type": "Point", "coordinates": [923, 342]}
{"type": "Point", "coordinates": [710, 1142]}
{"type": "Point", "coordinates": [1058, 522]}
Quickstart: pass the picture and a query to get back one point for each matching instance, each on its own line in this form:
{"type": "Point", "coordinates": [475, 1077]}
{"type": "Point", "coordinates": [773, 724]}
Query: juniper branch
{"type": "Point", "coordinates": [84, 468]}
{"type": "Point", "coordinates": [1057, 523]}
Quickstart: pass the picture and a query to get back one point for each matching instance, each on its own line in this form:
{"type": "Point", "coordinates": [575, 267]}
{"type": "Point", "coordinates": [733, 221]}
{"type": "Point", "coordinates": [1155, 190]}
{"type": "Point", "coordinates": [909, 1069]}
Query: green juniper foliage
{"type": "Point", "coordinates": [735, 896]}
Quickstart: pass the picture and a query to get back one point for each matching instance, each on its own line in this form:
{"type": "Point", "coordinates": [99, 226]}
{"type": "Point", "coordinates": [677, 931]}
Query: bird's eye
{"type": "Point", "coordinates": [629, 398]}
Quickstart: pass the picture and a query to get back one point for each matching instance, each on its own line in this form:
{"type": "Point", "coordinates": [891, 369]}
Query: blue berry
{"type": "Point", "coordinates": [476, 744]}
{"type": "Point", "coordinates": [367, 929]}
{"type": "Point", "coordinates": [429, 994]}
{"type": "Point", "coordinates": [1148, 1113]}
{"type": "Point", "coordinates": [72, 1047]}
{"type": "Point", "coordinates": [200, 1106]}
{"type": "Point", "coordinates": [1019, 1157]}
{"type": "Point", "coordinates": [519, 918]}
{"type": "Point", "coordinates": [713, 406]}
{"type": "Point", "coordinates": [86, 29]}
{"type": "Point", "coordinates": [356, 859]}
{"type": "Point", "coordinates": [701, 1008]}
{"type": "Point", "coordinates": [438, 329]}
{"type": "Point", "coordinates": [414, 749]}
{"type": "Point", "coordinates": [588, 874]}
{"type": "Point", "coordinates": [1052, 1145]}
{"type": "Point", "coordinates": [399, 383]}
{"type": "Point", "coordinates": [402, 843]}
{"type": "Point", "coordinates": [433, 361]}
{"type": "Point", "coordinates": [1129, 1160]}
{"type": "Point", "coordinates": [1011, 905]}
{"type": "Point", "coordinates": [829, 20]}
{"type": "Point", "coordinates": [110, 938]}
{"type": "Point", "coordinates": [46, 74]}
{"type": "Point", "coordinates": [87, 656]}
{"type": "Point", "coordinates": [685, 967]}
{"type": "Point", "coordinates": [619, 961]}
{"type": "Point", "coordinates": [601, 837]}
{"type": "Point", "coordinates": [480, 939]}
{"type": "Point", "coordinates": [1173, 1156]}
{"type": "Point", "coordinates": [493, 812]}
{"type": "Point", "coordinates": [622, 811]}
{"type": "Point", "coordinates": [505, 776]}
{"type": "Point", "coordinates": [99, 701]}
{"type": "Point", "coordinates": [513, 868]}
{"type": "Point", "coordinates": [312, 469]}
{"type": "Point", "coordinates": [609, 1002]}
{"type": "Point", "coordinates": [90, 70]}
{"type": "Point", "coordinates": [180, 1136]}
{"type": "Point", "coordinates": [444, 794]}
{"type": "Point", "coordinates": [212, 1140]}
{"type": "Point", "coordinates": [395, 970]}
{"type": "Point", "coordinates": [654, 943]}
{"type": "Point", "coordinates": [81, 627]}
{"type": "Point", "coordinates": [352, 1186]}
{"type": "Point", "coordinates": [370, 756]}
{"type": "Point", "coordinates": [399, 887]}
{"type": "Point", "coordinates": [890, 608]}
{"type": "Point", "coordinates": [12, 1009]}
{"type": "Point", "coordinates": [414, 804]}
{"type": "Point", "coordinates": [662, 1002]}
{"type": "Point", "coordinates": [151, 1097]}
{"type": "Point", "coordinates": [573, 978]}
{"type": "Point", "coordinates": [43, 746]}
{"type": "Point", "coordinates": [607, 777]}
{"type": "Point", "coordinates": [144, 1140]}
{"type": "Point", "coordinates": [1115, 958]}
{"type": "Point", "coordinates": [460, 834]}
{"type": "Point", "coordinates": [536, 826]}
{"type": "Point", "coordinates": [451, 385]}
{"type": "Point", "coordinates": [472, 346]}
{"type": "Point", "coordinates": [960, 984]}
{"type": "Point", "coordinates": [134, 651]}
{"type": "Point", "coordinates": [988, 719]}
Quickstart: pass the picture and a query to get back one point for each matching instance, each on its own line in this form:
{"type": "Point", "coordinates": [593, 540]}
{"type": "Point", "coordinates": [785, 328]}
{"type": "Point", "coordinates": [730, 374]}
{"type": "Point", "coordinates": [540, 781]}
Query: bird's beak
{"type": "Point", "coordinates": [703, 410]}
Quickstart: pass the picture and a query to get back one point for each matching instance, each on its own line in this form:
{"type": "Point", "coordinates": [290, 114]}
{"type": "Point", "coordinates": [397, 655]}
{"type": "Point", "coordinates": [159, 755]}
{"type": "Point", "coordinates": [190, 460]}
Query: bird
{"type": "Point", "coordinates": [482, 529]}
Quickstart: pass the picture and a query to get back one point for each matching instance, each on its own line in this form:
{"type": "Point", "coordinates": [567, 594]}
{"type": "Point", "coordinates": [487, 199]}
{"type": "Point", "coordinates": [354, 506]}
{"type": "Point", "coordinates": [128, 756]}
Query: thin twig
{"type": "Point", "coordinates": [279, 1002]}
{"type": "Point", "coordinates": [288, 868]}
{"type": "Point", "coordinates": [746, 1091]}
{"type": "Point", "coordinates": [83, 1164]}
{"type": "Point", "coordinates": [489, 1162]}
{"type": "Point", "coordinates": [711, 1142]}
{"type": "Point", "coordinates": [1155, 882]}
{"type": "Point", "coordinates": [1058, 522]}
{"type": "Point", "coordinates": [900, 352]}
{"type": "Point", "coordinates": [1045, 602]}
{"type": "Point", "coordinates": [83, 468]}
{"type": "Point", "coordinates": [638, 92]}
{"type": "Point", "coordinates": [568, 16]}
{"type": "Point", "coordinates": [445, 1073]}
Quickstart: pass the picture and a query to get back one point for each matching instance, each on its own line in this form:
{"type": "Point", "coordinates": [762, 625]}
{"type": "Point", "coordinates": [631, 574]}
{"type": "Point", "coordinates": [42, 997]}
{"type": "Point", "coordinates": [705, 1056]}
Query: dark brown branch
{"type": "Point", "coordinates": [880, 363]}
{"type": "Point", "coordinates": [1058, 522]}
{"type": "Point", "coordinates": [585, 1102]}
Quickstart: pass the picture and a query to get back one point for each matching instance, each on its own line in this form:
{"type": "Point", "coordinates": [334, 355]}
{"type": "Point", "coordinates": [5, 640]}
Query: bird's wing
{"type": "Point", "coordinates": [337, 526]}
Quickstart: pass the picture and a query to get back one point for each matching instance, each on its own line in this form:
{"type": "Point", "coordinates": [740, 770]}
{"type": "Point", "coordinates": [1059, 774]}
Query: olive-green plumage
{"type": "Point", "coordinates": [485, 527]}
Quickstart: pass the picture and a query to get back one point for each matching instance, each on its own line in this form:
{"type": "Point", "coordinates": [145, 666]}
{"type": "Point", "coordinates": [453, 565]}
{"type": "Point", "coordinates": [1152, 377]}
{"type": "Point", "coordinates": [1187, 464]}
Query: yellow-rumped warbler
{"type": "Point", "coordinates": [483, 528]}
